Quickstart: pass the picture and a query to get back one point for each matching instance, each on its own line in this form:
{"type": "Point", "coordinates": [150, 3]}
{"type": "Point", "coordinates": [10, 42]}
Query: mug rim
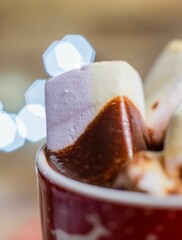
{"type": "Point", "coordinates": [110, 195]}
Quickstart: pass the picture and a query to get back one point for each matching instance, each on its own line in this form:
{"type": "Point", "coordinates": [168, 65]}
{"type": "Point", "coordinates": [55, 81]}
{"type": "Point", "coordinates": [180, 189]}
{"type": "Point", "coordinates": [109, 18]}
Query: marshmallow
{"type": "Point", "coordinates": [173, 144]}
{"type": "Point", "coordinates": [73, 99]}
{"type": "Point", "coordinates": [145, 173]}
{"type": "Point", "coordinates": [163, 90]}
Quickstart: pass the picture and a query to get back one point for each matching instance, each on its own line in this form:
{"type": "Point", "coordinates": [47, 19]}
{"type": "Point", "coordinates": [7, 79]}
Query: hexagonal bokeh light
{"type": "Point", "coordinates": [33, 116]}
{"type": "Point", "coordinates": [35, 93]}
{"type": "Point", "coordinates": [73, 51]}
{"type": "Point", "coordinates": [18, 140]}
{"type": "Point", "coordinates": [28, 124]}
{"type": "Point", "coordinates": [8, 130]}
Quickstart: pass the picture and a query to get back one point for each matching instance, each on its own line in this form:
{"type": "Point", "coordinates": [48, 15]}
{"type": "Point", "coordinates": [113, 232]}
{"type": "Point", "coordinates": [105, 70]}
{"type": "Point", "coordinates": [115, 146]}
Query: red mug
{"type": "Point", "coordinates": [72, 210]}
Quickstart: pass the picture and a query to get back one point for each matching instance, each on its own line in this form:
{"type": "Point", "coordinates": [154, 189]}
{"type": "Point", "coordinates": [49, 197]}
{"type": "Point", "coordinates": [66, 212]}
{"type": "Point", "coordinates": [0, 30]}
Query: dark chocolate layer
{"type": "Point", "coordinates": [106, 145]}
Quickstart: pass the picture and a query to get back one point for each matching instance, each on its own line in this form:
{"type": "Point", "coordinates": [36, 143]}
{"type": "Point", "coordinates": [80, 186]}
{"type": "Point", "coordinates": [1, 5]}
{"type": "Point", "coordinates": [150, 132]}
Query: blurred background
{"type": "Point", "coordinates": [134, 31]}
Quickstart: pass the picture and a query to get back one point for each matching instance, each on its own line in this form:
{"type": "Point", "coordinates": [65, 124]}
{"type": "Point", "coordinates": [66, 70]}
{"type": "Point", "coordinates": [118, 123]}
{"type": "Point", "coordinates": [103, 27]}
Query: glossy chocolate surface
{"type": "Point", "coordinates": [106, 145]}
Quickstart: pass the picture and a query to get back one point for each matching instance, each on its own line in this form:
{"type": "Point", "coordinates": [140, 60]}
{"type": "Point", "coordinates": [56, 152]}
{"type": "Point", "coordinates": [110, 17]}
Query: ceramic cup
{"type": "Point", "coordinates": [71, 210]}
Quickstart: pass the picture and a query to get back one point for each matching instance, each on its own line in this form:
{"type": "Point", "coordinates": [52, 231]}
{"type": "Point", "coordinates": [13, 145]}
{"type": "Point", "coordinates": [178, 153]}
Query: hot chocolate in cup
{"type": "Point", "coordinates": [99, 176]}
{"type": "Point", "coordinates": [71, 209]}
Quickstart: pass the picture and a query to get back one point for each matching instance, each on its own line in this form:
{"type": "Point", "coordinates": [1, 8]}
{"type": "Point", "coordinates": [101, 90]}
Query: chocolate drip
{"type": "Point", "coordinates": [108, 142]}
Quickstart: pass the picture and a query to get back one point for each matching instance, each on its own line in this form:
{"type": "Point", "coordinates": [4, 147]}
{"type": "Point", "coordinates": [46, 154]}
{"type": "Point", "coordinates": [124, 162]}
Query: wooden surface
{"type": "Point", "coordinates": [134, 31]}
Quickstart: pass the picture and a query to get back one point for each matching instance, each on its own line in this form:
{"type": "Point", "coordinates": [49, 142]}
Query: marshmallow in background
{"type": "Point", "coordinates": [173, 144]}
{"type": "Point", "coordinates": [163, 90]}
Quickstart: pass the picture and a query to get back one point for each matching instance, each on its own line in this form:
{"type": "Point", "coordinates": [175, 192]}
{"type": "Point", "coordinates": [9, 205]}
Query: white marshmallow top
{"type": "Point", "coordinates": [74, 98]}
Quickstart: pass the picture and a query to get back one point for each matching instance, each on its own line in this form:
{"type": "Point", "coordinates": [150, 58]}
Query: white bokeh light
{"type": "Point", "coordinates": [67, 56]}
{"type": "Point", "coordinates": [18, 141]}
{"type": "Point", "coordinates": [33, 116]}
{"type": "Point", "coordinates": [7, 130]}
{"type": "Point", "coordinates": [21, 127]}
{"type": "Point", "coordinates": [37, 110]}
{"type": "Point", "coordinates": [35, 93]}
{"type": "Point", "coordinates": [73, 51]}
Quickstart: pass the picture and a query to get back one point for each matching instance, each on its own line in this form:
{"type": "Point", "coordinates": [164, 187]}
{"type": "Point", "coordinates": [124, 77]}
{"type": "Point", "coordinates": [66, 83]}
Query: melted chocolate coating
{"type": "Point", "coordinates": [106, 145]}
